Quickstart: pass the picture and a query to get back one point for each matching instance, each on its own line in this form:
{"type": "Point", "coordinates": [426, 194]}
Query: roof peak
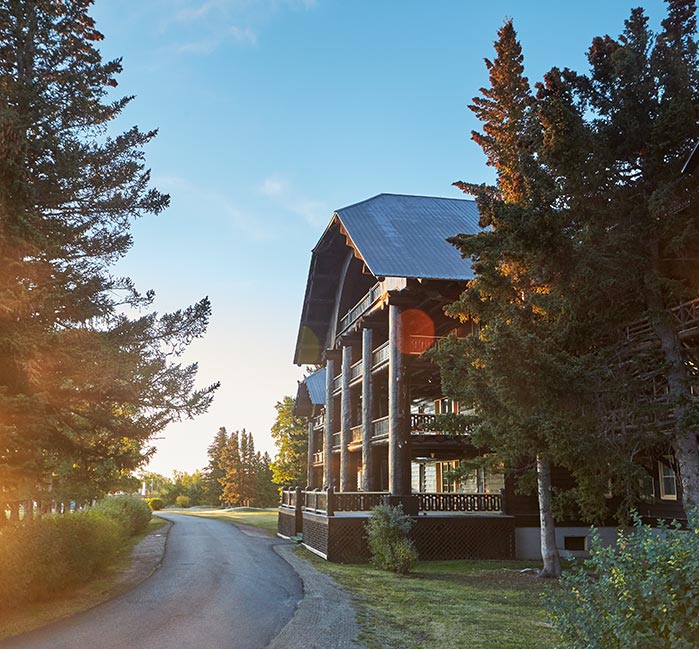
{"type": "Point", "coordinates": [419, 196]}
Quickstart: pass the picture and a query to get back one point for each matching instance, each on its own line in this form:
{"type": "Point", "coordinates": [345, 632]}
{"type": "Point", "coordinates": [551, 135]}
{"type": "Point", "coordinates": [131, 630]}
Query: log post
{"type": "Point", "coordinates": [368, 481]}
{"type": "Point", "coordinates": [398, 485]}
{"type": "Point", "coordinates": [330, 502]}
{"type": "Point", "coordinates": [309, 471]}
{"type": "Point", "coordinates": [328, 430]}
{"type": "Point", "coordinates": [346, 422]}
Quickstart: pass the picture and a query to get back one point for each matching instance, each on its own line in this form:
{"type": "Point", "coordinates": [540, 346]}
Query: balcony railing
{"type": "Point", "coordinates": [318, 457]}
{"type": "Point", "coordinates": [356, 370]}
{"type": "Point", "coordinates": [356, 433]}
{"type": "Point", "coordinates": [380, 427]}
{"type": "Point", "coordinates": [337, 440]}
{"type": "Point", "coordinates": [360, 308]}
{"type": "Point", "coordinates": [380, 355]}
{"type": "Point", "coordinates": [443, 424]}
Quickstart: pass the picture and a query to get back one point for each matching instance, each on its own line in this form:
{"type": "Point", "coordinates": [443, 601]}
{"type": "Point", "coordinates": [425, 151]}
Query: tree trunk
{"type": "Point", "coordinates": [684, 442]}
{"type": "Point", "coordinates": [549, 551]}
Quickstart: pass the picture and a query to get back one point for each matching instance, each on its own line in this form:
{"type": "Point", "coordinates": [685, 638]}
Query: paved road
{"type": "Point", "coordinates": [217, 588]}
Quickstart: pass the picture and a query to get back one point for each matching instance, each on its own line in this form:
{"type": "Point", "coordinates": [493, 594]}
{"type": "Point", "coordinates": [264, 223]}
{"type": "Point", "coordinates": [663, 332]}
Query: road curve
{"type": "Point", "coordinates": [217, 588]}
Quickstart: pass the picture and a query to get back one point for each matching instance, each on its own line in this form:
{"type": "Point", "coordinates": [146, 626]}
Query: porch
{"type": "Point", "coordinates": [447, 525]}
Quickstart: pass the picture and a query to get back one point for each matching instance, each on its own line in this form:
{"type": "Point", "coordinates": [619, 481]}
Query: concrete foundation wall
{"type": "Point", "coordinates": [528, 541]}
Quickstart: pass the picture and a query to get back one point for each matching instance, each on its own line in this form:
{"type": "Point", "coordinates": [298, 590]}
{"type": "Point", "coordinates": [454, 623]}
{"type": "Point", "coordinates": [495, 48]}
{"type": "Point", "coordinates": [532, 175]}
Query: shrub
{"type": "Point", "coordinates": [641, 593]}
{"type": "Point", "coordinates": [156, 504]}
{"type": "Point", "coordinates": [41, 557]}
{"type": "Point", "coordinates": [387, 533]}
{"type": "Point", "coordinates": [132, 513]}
{"type": "Point", "coordinates": [183, 501]}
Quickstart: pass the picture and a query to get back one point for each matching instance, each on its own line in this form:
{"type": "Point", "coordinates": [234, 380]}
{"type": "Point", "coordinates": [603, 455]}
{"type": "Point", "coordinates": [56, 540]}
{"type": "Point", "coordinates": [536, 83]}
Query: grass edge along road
{"type": "Point", "coordinates": [103, 587]}
{"type": "Point", "coordinates": [264, 519]}
{"type": "Point", "coordinates": [441, 604]}
{"type": "Point", "coordinates": [446, 604]}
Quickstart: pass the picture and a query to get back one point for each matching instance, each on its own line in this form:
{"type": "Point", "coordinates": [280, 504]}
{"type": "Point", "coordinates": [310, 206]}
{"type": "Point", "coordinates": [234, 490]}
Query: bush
{"type": "Point", "coordinates": [132, 513]}
{"type": "Point", "coordinates": [41, 557]}
{"type": "Point", "coordinates": [387, 533]}
{"type": "Point", "coordinates": [641, 593]}
{"type": "Point", "coordinates": [183, 501]}
{"type": "Point", "coordinates": [156, 504]}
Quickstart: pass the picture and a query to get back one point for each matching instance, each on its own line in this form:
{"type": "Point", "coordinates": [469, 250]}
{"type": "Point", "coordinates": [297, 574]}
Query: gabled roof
{"type": "Point", "coordinates": [392, 235]}
{"type": "Point", "coordinates": [405, 236]}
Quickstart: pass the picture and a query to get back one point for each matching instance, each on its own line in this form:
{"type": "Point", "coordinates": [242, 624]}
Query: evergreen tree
{"type": "Point", "coordinates": [215, 470]}
{"type": "Point", "coordinates": [266, 491]}
{"type": "Point", "coordinates": [232, 477]}
{"type": "Point", "coordinates": [290, 436]}
{"type": "Point", "coordinates": [505, 372]}
{"type": "Point", "coordinates": [248, 469]}
{"type": "Point", "coordinates": [636, 116]}
{"type": "Point", "coordinates": [83, 388]}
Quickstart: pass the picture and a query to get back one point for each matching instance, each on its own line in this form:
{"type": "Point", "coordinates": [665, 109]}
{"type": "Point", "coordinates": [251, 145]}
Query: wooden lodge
{"type": "Point", "coordinates": [379, 428]}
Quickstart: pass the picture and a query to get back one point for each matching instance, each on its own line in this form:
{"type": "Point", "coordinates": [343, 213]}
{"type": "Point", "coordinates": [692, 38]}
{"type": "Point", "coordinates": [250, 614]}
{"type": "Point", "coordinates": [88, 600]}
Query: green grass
{"type": "Point", "coordinates": [264, 519]}
{"type": "Point", "coordinates": [75, 600]}
{"type": "Point", "coordinates": [447, 604]}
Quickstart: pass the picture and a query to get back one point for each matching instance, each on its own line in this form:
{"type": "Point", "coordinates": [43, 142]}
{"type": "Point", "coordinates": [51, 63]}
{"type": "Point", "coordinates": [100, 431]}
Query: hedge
{"type": "Point", "coordinates": [41, 557]}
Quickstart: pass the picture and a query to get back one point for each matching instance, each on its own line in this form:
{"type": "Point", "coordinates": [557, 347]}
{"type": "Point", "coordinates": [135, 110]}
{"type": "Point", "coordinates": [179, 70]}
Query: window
{"type": "Point", "coordinates": [668, 480]}
{"type": "Point", "coordinates": [575, 543]}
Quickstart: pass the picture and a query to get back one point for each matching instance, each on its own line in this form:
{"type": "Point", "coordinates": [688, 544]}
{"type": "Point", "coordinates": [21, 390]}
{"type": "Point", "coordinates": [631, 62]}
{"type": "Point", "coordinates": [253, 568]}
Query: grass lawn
{"type": "Point", "coordinates": [447, 604]}
{"type": "Point", "coordinates": [264, 519]}
{"type": "Point", "coordinates": [75, 600]}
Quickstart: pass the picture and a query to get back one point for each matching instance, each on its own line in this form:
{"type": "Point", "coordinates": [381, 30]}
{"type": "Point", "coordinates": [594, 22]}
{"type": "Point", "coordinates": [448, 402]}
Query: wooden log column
{"type": "Point", "coordinates": [309, 472]}
{"type": "Point", "coordinates": [398, 472]}
{"type": "Point", "coordinates": [328, 477]}
{"type": "Point", "coordinates": [347, 480]}
{"type": "Point", "coordinates": [368, 480]}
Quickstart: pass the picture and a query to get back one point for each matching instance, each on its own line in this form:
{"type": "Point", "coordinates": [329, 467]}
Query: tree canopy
{"type": "Point", "coordinates": [89, 374]}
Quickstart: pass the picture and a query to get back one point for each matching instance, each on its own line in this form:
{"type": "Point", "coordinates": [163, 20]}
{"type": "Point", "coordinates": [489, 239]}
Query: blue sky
{"type": "Point", "coordinates": [273, 113]}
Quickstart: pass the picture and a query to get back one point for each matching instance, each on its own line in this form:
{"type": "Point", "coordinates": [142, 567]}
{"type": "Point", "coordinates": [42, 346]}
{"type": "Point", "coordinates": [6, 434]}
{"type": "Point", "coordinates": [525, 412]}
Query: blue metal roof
{"type": "Point", "coordinates": [315, 384]}
{"type": "Point", "coordinates": [405, 236]}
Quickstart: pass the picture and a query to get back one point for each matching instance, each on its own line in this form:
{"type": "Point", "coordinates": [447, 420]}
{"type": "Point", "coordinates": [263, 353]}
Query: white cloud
{"type": "Point", "coordinates": [203, 26]}
{"type": "Point", "coordinates": [314, 212]}
{"type": "Point", "coordinates": [272, 186]}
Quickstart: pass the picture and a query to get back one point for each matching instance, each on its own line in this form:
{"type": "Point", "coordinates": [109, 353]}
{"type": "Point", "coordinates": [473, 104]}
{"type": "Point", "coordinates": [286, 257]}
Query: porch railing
{"type": "Point", "coordinates": [357, 501]}
{"type": "Point", "coordinates": [328, 502]}
{"type": "Point", "coordinates": [458, 502]}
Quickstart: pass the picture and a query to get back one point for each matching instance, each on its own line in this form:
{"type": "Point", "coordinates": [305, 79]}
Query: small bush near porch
{"type": "Point", "coordinates": [448, 604]}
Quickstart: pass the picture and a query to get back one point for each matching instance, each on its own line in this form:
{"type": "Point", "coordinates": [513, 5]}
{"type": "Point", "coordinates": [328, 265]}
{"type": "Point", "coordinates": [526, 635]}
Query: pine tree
{"type": "Point", "coordinates": [266, 491]}
{"type": "Point", "coordinates": [83, 388]}
{"type": "Point", "coordinates": [503, 372]}
{"type": "Point", "coordinates": [232, 478]}
{"type": "Point", "coordinates": [215, 470]}
{"type": "Point", "coordinates": [636, 116]}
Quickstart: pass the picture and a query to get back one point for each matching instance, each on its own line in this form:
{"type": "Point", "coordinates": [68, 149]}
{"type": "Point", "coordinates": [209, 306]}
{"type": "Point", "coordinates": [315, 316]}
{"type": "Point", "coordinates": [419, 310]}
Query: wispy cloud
{"type": "Point", "coordinates": [272, 186]}
{"type": "Point", "coordinates": [216, 207]}
{"type": "Point", "coordinates": [283, 194]}
{"type": "Point", "coordinates": [213, 23]}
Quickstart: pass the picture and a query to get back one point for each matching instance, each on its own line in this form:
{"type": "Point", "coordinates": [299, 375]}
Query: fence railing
{"type": "Point", "coordinates": [328, 502]}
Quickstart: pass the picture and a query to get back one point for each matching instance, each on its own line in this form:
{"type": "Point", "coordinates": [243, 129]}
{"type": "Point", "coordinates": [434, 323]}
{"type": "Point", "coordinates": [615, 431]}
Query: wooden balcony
{"type": "Point", "coordinates": [380, 428]}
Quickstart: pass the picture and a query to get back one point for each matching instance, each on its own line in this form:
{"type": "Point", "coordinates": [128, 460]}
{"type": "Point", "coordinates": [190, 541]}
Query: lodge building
{"type": "Point", "coordinates": [379, 427]}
